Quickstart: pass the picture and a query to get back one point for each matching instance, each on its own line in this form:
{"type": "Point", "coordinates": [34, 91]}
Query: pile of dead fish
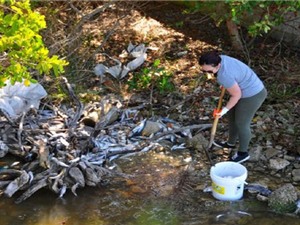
{"type": "Point", "coordinates": [62, 158]}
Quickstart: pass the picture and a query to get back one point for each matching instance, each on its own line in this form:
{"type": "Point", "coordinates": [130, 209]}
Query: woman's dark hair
{"type": "Point", "coordinates": [210, 58]}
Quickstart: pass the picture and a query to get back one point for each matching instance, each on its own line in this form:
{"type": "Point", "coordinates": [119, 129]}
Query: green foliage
{"type": "Point", "coordinates": [22, 50]}
{"type": "Point", "coordinates": [273, 13]}
{"type": "Point", "coordinates": [283, 91]}
{"type": "Point", "coordinates": [151, 77]}
{"type": "Point", "coordinates": [179, 24]}
{"type": "Point", "coordinates": [264, 14]}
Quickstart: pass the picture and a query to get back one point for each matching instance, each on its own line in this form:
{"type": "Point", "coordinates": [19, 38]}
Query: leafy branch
{"type": "Point", "coordinates": [22, 51]}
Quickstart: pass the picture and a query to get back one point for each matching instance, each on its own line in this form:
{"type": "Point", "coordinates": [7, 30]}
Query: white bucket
{"type": "Point", "coordinates": [228, 179]}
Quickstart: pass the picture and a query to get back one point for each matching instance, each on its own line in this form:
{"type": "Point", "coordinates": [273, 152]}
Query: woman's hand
{"type": "Point", "coordinates": [223, 112]}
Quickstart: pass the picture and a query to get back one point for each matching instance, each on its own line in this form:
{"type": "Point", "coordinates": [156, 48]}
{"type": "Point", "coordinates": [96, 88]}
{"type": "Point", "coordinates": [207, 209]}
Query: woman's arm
{"type": "Point", "coordinates": [235, 95]}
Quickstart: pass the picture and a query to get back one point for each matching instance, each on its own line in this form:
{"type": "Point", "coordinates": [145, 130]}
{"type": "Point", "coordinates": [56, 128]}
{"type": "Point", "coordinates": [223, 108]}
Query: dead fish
{"type": "Point", "coordinates": [169, 137]}
{"type": "Point", "coordinates": [129, 114]}
{"type": "Point", "coordinates": [47, 114]}
{"type": "Point", "coordinates": [30, 177]}
{"type": "Point", "coordinates": [113, 157]}
{"type": "Point", "coordinates": [74, 187]}
{"type": "Point", "coordinates": [60, 163]}
{"type": "Point", "coordinates": [57, 135]}
{"type": "Point", "coordinates": [148, 148]}
{"type": "Point", "coordinates": [56, 176]}
{"type": "Point", "coordinates": [137, 131]}
{"type": "Point", "coordinates": [97, 162]}
{"type": "Point", "coordinates": [105, 142]}
{"type": "Point", "coordinates": [64, 142]}
{"type": "Point", "coordinates": [15, 164]}
{"type": "Point", "coordinates": [297, 211]}
{"type": "Point", "coordinates": [172, 124]}
{"type": "Point", "coordinates": [3, 168]}
{"type": "Point", "coordinates": [258, 188]}
{"type": "Point", "coordinates": [178, 147]}
{"type": "Point", "coordinates": [187, 133]}
{"type": "Point", "coordinates": [168, 120]}
{"type": "Point", "coordinates": [86, 157]}
{"type": "Point", "coordinates": [207, 189]}
{"type": "Point", "coordinates": [232, 216]}
{"type": "Point", "coordinates": [76, 160]}
{"type": "Point", "coordinates": [62, 191]}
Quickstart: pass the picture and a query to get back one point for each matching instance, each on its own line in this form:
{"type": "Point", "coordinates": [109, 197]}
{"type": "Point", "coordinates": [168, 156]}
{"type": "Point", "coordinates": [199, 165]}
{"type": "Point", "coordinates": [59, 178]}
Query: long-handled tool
{"type": "Point", "coordinates": [214, 127]}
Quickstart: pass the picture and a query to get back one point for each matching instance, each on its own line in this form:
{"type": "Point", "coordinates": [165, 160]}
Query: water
{"type": "Point", "coordinates": [148, 198]}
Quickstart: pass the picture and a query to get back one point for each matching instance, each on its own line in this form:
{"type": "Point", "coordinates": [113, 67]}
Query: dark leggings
{"type": "Point", "coordinates": [240, 117]}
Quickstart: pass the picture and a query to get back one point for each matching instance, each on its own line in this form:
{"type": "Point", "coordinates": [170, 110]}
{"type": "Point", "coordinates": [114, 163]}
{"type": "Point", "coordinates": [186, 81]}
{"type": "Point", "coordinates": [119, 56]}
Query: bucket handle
{"type": "Point", "coordinates": [238, 181]}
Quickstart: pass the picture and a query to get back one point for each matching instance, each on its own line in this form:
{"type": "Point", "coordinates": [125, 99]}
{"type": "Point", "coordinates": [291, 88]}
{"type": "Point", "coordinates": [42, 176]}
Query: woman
{"type": "Point", "coordinates": [247, 93]}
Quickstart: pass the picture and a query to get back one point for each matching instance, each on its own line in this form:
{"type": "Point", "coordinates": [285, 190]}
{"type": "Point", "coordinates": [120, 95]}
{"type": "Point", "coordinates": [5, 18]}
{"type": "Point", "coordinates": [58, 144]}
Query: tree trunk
{"type": "Point", "coordinates": [234, 35]}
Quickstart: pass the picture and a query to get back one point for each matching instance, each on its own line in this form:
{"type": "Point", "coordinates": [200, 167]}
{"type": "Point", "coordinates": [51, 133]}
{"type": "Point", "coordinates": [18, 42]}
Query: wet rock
{"type": "Point", "coordinates": [261, 198]}
{"type": "Point", "coordinates": [91, 177]}
{"type": "Point", "coordinates": [296, 175]}
{"type": "Point", "coordinates": [271, 152]}
{"type": "Point", "coordinates": [283, 199]}
{"type": "Point", "coordinates": [3, 149]}
{"type": "Point", "coordinates": [297, 165]}
{"type": "Point", "coordinates": [278, 163]}
{"type": "Point", "coordinates": [198, 142]}
{"type": "Point", "coordinates": [151, 128]}
{"type": "Point", "coordinates": [77, 176]}
{"type": "Point", "coordinates": [289, 157]}
{"type": "Point", "coordinates": [112, 115]}
{"type": "Point", "coordinates": [255, 154]}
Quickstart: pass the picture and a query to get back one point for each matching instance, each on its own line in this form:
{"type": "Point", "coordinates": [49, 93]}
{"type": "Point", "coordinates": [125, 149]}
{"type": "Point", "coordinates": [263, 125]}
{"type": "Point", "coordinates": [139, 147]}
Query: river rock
{"type": "Point", "coordinates": [112, 115]}
{"type": "Point", "coordinates": [296, 175]}
{"type": "Point", "coordinates": [283, 199]}
{"type": "Point", "coordinates": [271, 152]}
{"type": "Point", "coordinates": [76, 174]}
{"type": "Point", "coordinates": [278, 164]}
{"type": "Point", "coordinates": [198, 142]}
{"type": "Point", "coordinates": [3, 149]}
{"type": "Point", "coordinates": [297, 165]}
{"type": "Point", "coordinates": [91, 177]}
{"type": "Point", "coordinates": [151, 127]}
{"type": "Point", "coordinates": [255, 154]}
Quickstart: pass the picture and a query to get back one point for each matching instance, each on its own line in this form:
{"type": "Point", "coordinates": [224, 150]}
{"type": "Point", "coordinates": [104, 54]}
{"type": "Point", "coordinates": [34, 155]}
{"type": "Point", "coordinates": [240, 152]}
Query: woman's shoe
{"type": "Point", "coordinates": [223, 144]}
{"type": "Point", "coordinates": [239, 157]}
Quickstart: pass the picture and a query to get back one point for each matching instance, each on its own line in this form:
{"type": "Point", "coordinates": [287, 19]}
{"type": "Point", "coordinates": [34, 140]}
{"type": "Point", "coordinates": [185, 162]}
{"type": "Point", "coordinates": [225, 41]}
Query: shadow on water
{"type": "Point", "coordinates": [152, 197]}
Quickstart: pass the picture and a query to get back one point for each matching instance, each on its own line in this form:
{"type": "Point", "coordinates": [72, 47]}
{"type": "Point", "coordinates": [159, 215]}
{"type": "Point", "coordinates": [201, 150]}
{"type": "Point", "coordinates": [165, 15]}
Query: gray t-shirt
{"type": "Point", "coordinates": [233, 70]}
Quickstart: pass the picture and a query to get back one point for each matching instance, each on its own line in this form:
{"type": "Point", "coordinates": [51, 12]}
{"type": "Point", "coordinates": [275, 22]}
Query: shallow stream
{"type": "Point", "coordinates": [161, 191]}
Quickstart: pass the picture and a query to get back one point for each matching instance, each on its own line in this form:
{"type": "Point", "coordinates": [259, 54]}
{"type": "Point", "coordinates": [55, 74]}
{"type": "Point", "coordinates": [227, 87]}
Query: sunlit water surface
{"type": "Point", "coordinates": [121, 202]}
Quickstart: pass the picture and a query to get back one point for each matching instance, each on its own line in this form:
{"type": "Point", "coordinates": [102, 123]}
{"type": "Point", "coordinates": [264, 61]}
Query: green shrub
{"type": "Point", "coordinates": [22, 51]}
{"type": "Point", "coordinates": [152, 77]}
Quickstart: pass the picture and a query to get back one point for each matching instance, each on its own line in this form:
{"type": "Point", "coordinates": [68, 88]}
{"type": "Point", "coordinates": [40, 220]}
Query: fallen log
{"type": "Point", "coordinates": [17, 184]}
{"type": "Point", "coordinates": [34, 188]}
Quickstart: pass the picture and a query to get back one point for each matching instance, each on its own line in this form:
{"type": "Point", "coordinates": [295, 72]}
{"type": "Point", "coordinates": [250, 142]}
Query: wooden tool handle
{"type": "Point", "coordinates": [221, 98]}
{"type": "Point", "coordinates": [214, 127]}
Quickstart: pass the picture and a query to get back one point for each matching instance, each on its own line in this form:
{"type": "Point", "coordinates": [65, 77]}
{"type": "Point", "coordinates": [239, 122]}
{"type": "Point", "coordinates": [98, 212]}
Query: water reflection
{"type": "Point", "coordinates": [148, 199]}
{"type": "Point", "coordinates": [100, 206]}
